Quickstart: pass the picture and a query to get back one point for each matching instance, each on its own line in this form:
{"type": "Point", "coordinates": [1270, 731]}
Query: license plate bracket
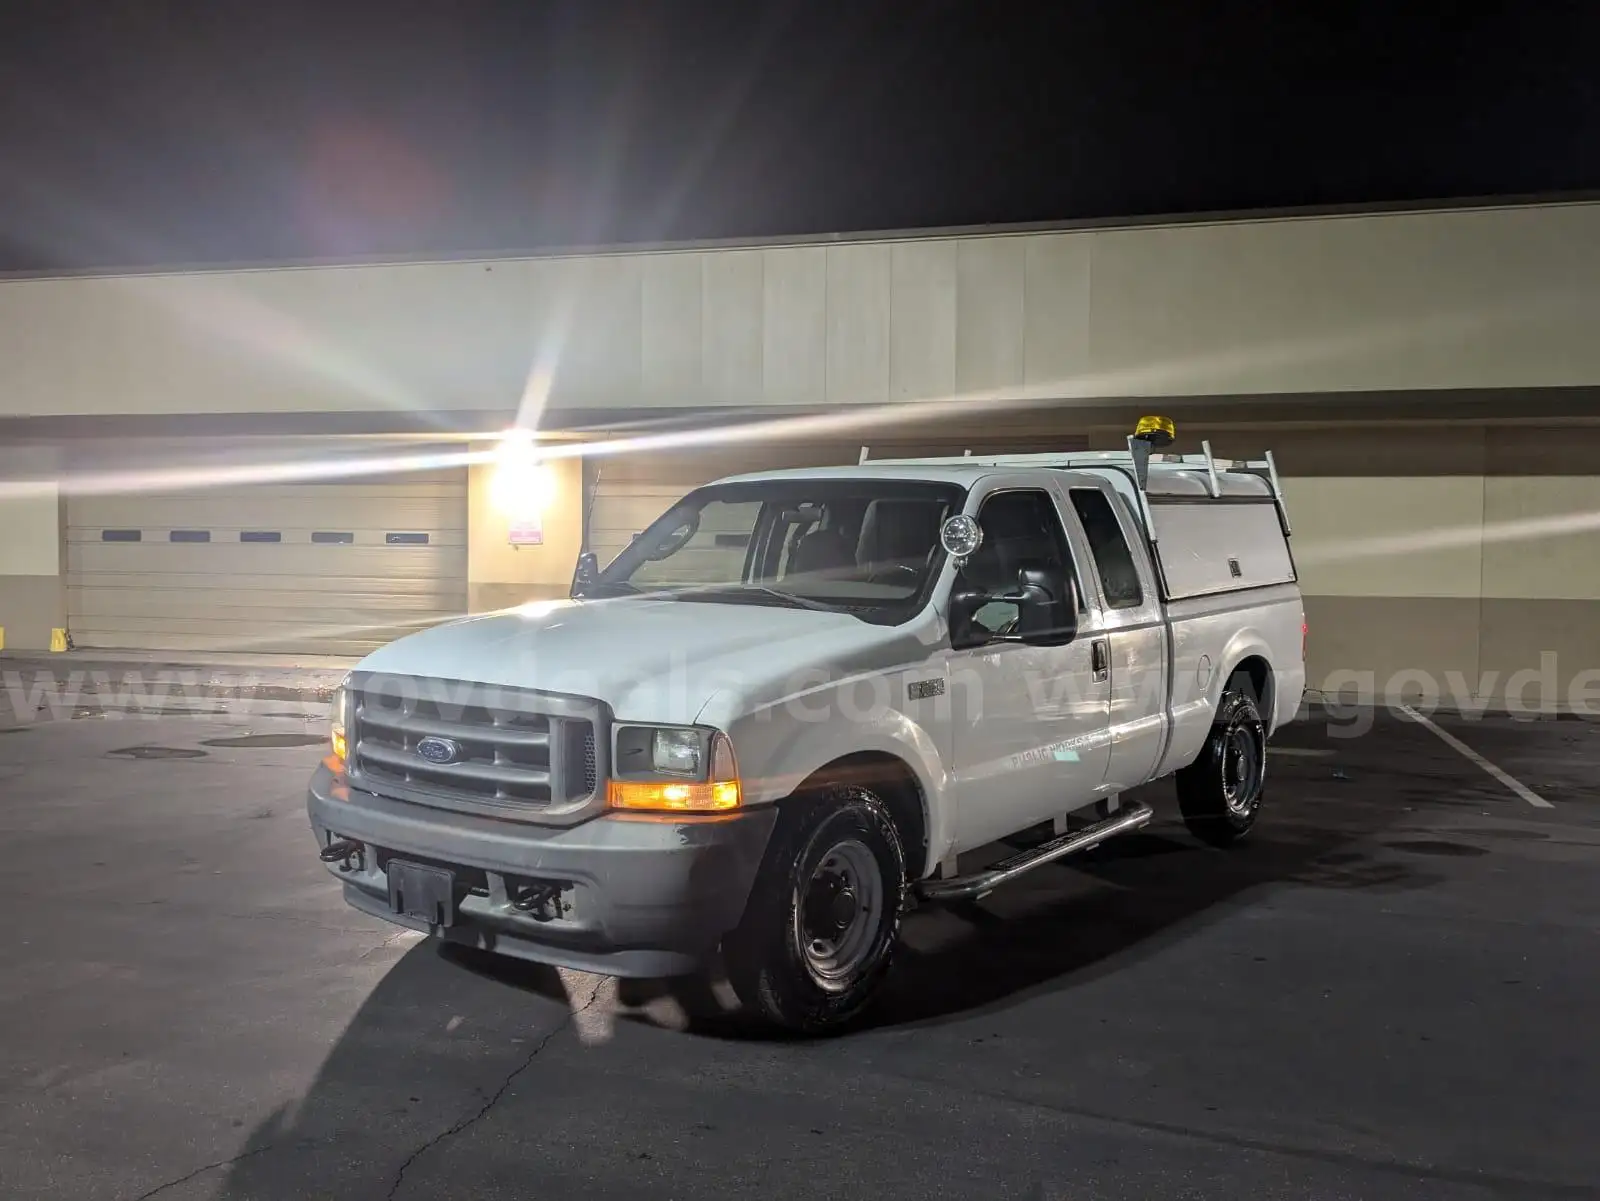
{"type": "Point", "coordinates": [425, 893]}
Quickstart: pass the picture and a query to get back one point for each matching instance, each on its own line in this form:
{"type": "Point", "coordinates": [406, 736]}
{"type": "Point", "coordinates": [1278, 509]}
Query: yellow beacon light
{"type": "Point", "coordinates": [1157, 431]}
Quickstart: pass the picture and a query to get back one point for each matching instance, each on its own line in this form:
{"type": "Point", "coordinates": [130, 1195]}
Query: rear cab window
{"type": "Point", "coordinates": [1113, 559]}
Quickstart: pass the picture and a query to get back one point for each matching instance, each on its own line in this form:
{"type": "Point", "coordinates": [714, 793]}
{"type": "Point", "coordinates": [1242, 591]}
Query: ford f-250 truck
{"type": "Point", "coordinates": [802, 701]}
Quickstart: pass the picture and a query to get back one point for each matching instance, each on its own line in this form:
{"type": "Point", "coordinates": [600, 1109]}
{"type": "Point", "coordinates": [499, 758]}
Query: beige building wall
{"type": "Point", "coordinates": [499, 574]}
{"type": "Point", "coordinates": [1455, 564]}
{"type": "Point", "coordinates": [1463, 298]}
{"type": "Point", "coordinates": [33, 597]}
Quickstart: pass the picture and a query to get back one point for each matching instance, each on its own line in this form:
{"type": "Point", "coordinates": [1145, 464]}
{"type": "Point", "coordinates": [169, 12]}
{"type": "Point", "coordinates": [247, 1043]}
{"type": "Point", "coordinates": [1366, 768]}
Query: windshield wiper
{"type": "Point", "coordinates": [753, 594]}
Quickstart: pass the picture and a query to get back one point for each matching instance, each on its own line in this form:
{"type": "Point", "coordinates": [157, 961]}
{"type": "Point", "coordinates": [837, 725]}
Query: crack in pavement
{"type": "Point", "coordinates": [388, 942]}
{"type": "Point", "coordinates": [201, 1171]}
{"type": "Point", "coordinates": [483, 1110]}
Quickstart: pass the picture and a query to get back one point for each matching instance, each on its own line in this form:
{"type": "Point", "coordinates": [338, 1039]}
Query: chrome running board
{"type": "Point", "coordinates": [1131, 817]}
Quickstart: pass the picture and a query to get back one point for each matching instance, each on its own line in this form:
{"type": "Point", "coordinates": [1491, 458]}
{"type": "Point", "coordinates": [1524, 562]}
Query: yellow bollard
{"type": "Point", "coordinates": [58, 641]}
{"type": "Point", "coordinates": [2, 638]}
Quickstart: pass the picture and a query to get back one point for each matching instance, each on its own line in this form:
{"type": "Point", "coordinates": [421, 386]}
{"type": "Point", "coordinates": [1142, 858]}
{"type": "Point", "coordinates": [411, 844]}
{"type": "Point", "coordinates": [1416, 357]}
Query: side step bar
{"type": "Point", "coordinates": [1131, 817]}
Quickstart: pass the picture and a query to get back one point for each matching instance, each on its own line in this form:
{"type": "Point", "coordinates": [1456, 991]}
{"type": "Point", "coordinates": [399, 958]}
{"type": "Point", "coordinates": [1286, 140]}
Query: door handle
{"type": "Point", "coordinates": [1100, 658]}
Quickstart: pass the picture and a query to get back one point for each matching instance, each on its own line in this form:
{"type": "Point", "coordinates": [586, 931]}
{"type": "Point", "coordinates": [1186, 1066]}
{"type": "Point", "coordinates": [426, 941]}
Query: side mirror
{"type": "Point", "coordinates": [1046, 611]}
{"type": "Point", "coordinates": [1047, 607]}
{"type": "Point", "coordinates": [585, 574]}
{"type": "Point", "coordinates": [964, 606]}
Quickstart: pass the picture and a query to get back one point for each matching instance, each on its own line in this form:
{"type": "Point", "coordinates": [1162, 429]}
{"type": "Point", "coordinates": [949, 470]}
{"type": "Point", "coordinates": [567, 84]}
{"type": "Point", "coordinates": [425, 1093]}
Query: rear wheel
{"type": "Point", "coordinates": [1220, 793]}
{"type": "Point", "coordinates": [820, 929]}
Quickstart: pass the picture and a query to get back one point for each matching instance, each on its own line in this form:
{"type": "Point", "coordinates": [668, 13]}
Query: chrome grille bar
{"type": "Point", "coordinates": [511, 753]}
{"type": "Point", "coordinates": [417, 727]}
{"type": "Point", "coordinates": [502, 779]}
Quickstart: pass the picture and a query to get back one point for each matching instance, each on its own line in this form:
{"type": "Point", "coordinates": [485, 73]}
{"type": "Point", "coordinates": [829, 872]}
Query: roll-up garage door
{"type": "Point", "coordinates": [332, 569]}
{"type": "Point", "coordinates": [630, 491]}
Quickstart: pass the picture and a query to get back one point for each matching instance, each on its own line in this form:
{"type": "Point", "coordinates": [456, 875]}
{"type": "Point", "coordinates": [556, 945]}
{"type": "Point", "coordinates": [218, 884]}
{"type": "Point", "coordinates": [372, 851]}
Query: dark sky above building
{"type": "Point", "coordinates": [218, 130]}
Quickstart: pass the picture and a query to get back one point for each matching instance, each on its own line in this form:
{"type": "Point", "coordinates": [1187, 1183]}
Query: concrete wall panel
{"type": "Point", "coordinates": [1380, 645]}
{"type": "Point", "coordinates": [731, 338]}
{"type": "Point", "coordinates": [858, 323]}
{"type": "Point", "coordinates": [922, 335]}
{"type": "Point", "coordinates": [671, 333]}
{"type": "Point", "coordinates": [1388, 536]}
{"type": "Point", "coordinates": [1492, 298]}
{"type": "Point", "coordinates": [794, 356]}
{"type": "Point", "coordinates": [990, 295]}
{"type": "Point", "coordinates": [1541, 538]}
{"type": "Point", "coordinates": [1056, 358]}
{"type": "Point", "coordinates": [1487, 298]}
{"type": "Point", "coordinates": [30, 532]}
{"type": "Point", "coordinates": [601, 342]}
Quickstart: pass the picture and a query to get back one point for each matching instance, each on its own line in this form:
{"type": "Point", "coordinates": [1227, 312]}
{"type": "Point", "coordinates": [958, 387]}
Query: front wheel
{"type": "Point", "coordinates": [820, 928]}
{"type": "Point", "coordinates": [1220, 793]}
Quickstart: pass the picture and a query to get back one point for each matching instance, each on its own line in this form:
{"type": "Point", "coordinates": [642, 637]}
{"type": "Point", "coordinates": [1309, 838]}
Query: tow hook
{"type": "Point", "coordinates": [347, 853]}
{"type": "Point", "coordinates": [542, 902]}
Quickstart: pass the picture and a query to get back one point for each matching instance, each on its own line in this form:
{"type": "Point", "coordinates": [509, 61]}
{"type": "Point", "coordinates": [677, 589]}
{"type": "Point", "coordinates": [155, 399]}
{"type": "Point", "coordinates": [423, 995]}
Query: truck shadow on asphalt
{"type": "Point", "coordinates": [398, 1075]}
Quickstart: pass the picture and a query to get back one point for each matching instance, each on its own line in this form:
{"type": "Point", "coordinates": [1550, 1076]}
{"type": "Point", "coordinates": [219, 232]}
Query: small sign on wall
{"type": "Point", "coordinates": [527, 533]}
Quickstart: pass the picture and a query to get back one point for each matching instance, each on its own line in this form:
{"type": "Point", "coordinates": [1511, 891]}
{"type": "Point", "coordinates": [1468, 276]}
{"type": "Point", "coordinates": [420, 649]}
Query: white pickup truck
{"type": "Point", "coordinates": [802, 701]}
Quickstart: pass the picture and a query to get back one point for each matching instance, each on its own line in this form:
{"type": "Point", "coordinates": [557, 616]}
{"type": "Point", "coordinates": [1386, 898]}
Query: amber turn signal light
{"type": "Point", "coordinates": [659, 796]}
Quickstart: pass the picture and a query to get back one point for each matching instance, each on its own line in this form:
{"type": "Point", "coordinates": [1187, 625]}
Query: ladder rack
{"type": "Point", "coordinates": [1139, 456]}
{"type": "Point", "coordinates": [1265, 468]}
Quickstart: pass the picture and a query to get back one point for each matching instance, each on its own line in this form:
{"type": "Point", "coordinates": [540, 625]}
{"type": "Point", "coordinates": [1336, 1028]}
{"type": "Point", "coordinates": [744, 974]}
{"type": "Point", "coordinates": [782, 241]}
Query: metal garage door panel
{"type": "Point", "coordinates": [286, 535]}
{"type": "Point", "coordinates": [438, 592]}
{"type": "Point", "coordinates": [249, 633]}
{"type": "Point", "coordinates": [296, 593]}
{"type": "Point", "coordinates": [271, 603]}
{"type": "Point", "coordinates": [223, 559]}
{"type": "Point", "coordinates": [298, 640]}
{"type": "Point", "coordinates": [372, 510]}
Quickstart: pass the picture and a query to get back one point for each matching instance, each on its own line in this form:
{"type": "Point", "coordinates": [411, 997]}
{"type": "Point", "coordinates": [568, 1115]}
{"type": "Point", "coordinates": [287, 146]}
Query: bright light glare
{"type": "Point", "coordinates": [522, 485]}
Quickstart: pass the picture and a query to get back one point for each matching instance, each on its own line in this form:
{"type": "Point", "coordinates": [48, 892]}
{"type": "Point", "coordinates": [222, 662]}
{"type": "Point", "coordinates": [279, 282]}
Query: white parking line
{"type": "Point", "coordinates": [1450, 740]}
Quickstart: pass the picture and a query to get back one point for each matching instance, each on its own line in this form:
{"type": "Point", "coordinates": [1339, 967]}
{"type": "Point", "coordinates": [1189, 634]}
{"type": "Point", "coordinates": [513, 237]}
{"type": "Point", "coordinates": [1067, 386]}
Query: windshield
{"type": "Point", "coordinates": [867, 547]}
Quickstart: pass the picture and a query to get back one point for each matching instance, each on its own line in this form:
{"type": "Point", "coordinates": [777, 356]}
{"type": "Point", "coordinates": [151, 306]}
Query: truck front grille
{"type": "Point", "coordinates": [504, 752]}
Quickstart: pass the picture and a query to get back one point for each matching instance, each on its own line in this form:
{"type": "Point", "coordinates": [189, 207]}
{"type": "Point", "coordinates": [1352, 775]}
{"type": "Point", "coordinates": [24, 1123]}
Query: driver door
{"type": "Point", "coordinates": [1032, 740]}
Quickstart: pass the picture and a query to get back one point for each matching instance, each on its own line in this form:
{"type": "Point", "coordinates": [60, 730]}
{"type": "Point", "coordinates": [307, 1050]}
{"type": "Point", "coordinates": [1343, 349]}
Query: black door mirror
{"type": "Point", "coordinates": [585, 574]}
{"type": "Point", "coordinates": [1045, 610]}
{"type": "Point", "coordinates": [964, 630]}
{"type": "Point", "coordinates": [1047, 607]}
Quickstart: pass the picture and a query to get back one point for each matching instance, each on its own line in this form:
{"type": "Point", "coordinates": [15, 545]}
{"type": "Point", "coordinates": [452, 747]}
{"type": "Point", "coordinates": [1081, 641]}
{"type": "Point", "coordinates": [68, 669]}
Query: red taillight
{"type": "Point", "coordinates": [1305, 629]}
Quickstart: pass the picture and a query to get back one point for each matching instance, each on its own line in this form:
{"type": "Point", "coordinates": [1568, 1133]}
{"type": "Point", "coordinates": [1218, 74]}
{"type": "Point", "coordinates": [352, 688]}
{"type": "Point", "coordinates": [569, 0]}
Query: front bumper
{"type": "Point", "coordinates": [636, 897]}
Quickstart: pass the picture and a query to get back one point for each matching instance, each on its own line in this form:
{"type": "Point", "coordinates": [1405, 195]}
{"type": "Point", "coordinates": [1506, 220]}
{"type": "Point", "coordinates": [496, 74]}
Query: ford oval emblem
{"type": "Point", "coordinates": [440, 751]}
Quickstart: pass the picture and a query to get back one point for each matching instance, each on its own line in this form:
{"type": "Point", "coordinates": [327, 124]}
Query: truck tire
{"type": "Point", "coordinates": [820, 928]}
{"type": "Point", "coordinates": [1219, 793]}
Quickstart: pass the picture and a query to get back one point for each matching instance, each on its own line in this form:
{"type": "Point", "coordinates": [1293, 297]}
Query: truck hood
{"type": "Point", "coordinates": [648, 658]}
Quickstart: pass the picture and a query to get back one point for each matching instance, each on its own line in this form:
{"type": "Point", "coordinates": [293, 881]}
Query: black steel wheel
{"type": "Point", "coordinates": [820, 928]}
{"type": "Point", "coordinates": [1220, 793]}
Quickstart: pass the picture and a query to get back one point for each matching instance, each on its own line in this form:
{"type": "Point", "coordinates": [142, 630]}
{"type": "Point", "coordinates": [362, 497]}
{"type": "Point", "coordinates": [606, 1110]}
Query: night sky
{"type": "Point", "coordinates": [154, 132]}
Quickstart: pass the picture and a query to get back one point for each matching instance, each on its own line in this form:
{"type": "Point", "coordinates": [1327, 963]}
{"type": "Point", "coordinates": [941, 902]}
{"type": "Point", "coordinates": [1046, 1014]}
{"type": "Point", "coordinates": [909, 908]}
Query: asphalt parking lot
{"type": "Point", "coordinates": [1388, 992]}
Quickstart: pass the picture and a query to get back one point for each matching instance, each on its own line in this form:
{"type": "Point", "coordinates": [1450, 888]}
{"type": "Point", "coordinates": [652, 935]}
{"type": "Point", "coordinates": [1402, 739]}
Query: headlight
{"type": "Point", "coordinates": [678, 752]}
{"type": "Point", "coordinates": [676, 769]}
{"type": "Point", "coordinates": [336, 724]}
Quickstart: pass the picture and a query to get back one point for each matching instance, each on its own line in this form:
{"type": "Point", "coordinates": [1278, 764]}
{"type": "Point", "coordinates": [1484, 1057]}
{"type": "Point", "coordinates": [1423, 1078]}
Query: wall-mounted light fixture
{"type": "Point", "coordinates": [522, 487]}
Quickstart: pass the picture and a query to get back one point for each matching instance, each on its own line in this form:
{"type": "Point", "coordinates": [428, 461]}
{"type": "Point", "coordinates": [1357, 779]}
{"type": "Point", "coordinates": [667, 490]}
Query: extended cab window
{"type": "Point", "coordinates": [1118, 574]}
{"type": "Point", "coordinates": [1020, 529]}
